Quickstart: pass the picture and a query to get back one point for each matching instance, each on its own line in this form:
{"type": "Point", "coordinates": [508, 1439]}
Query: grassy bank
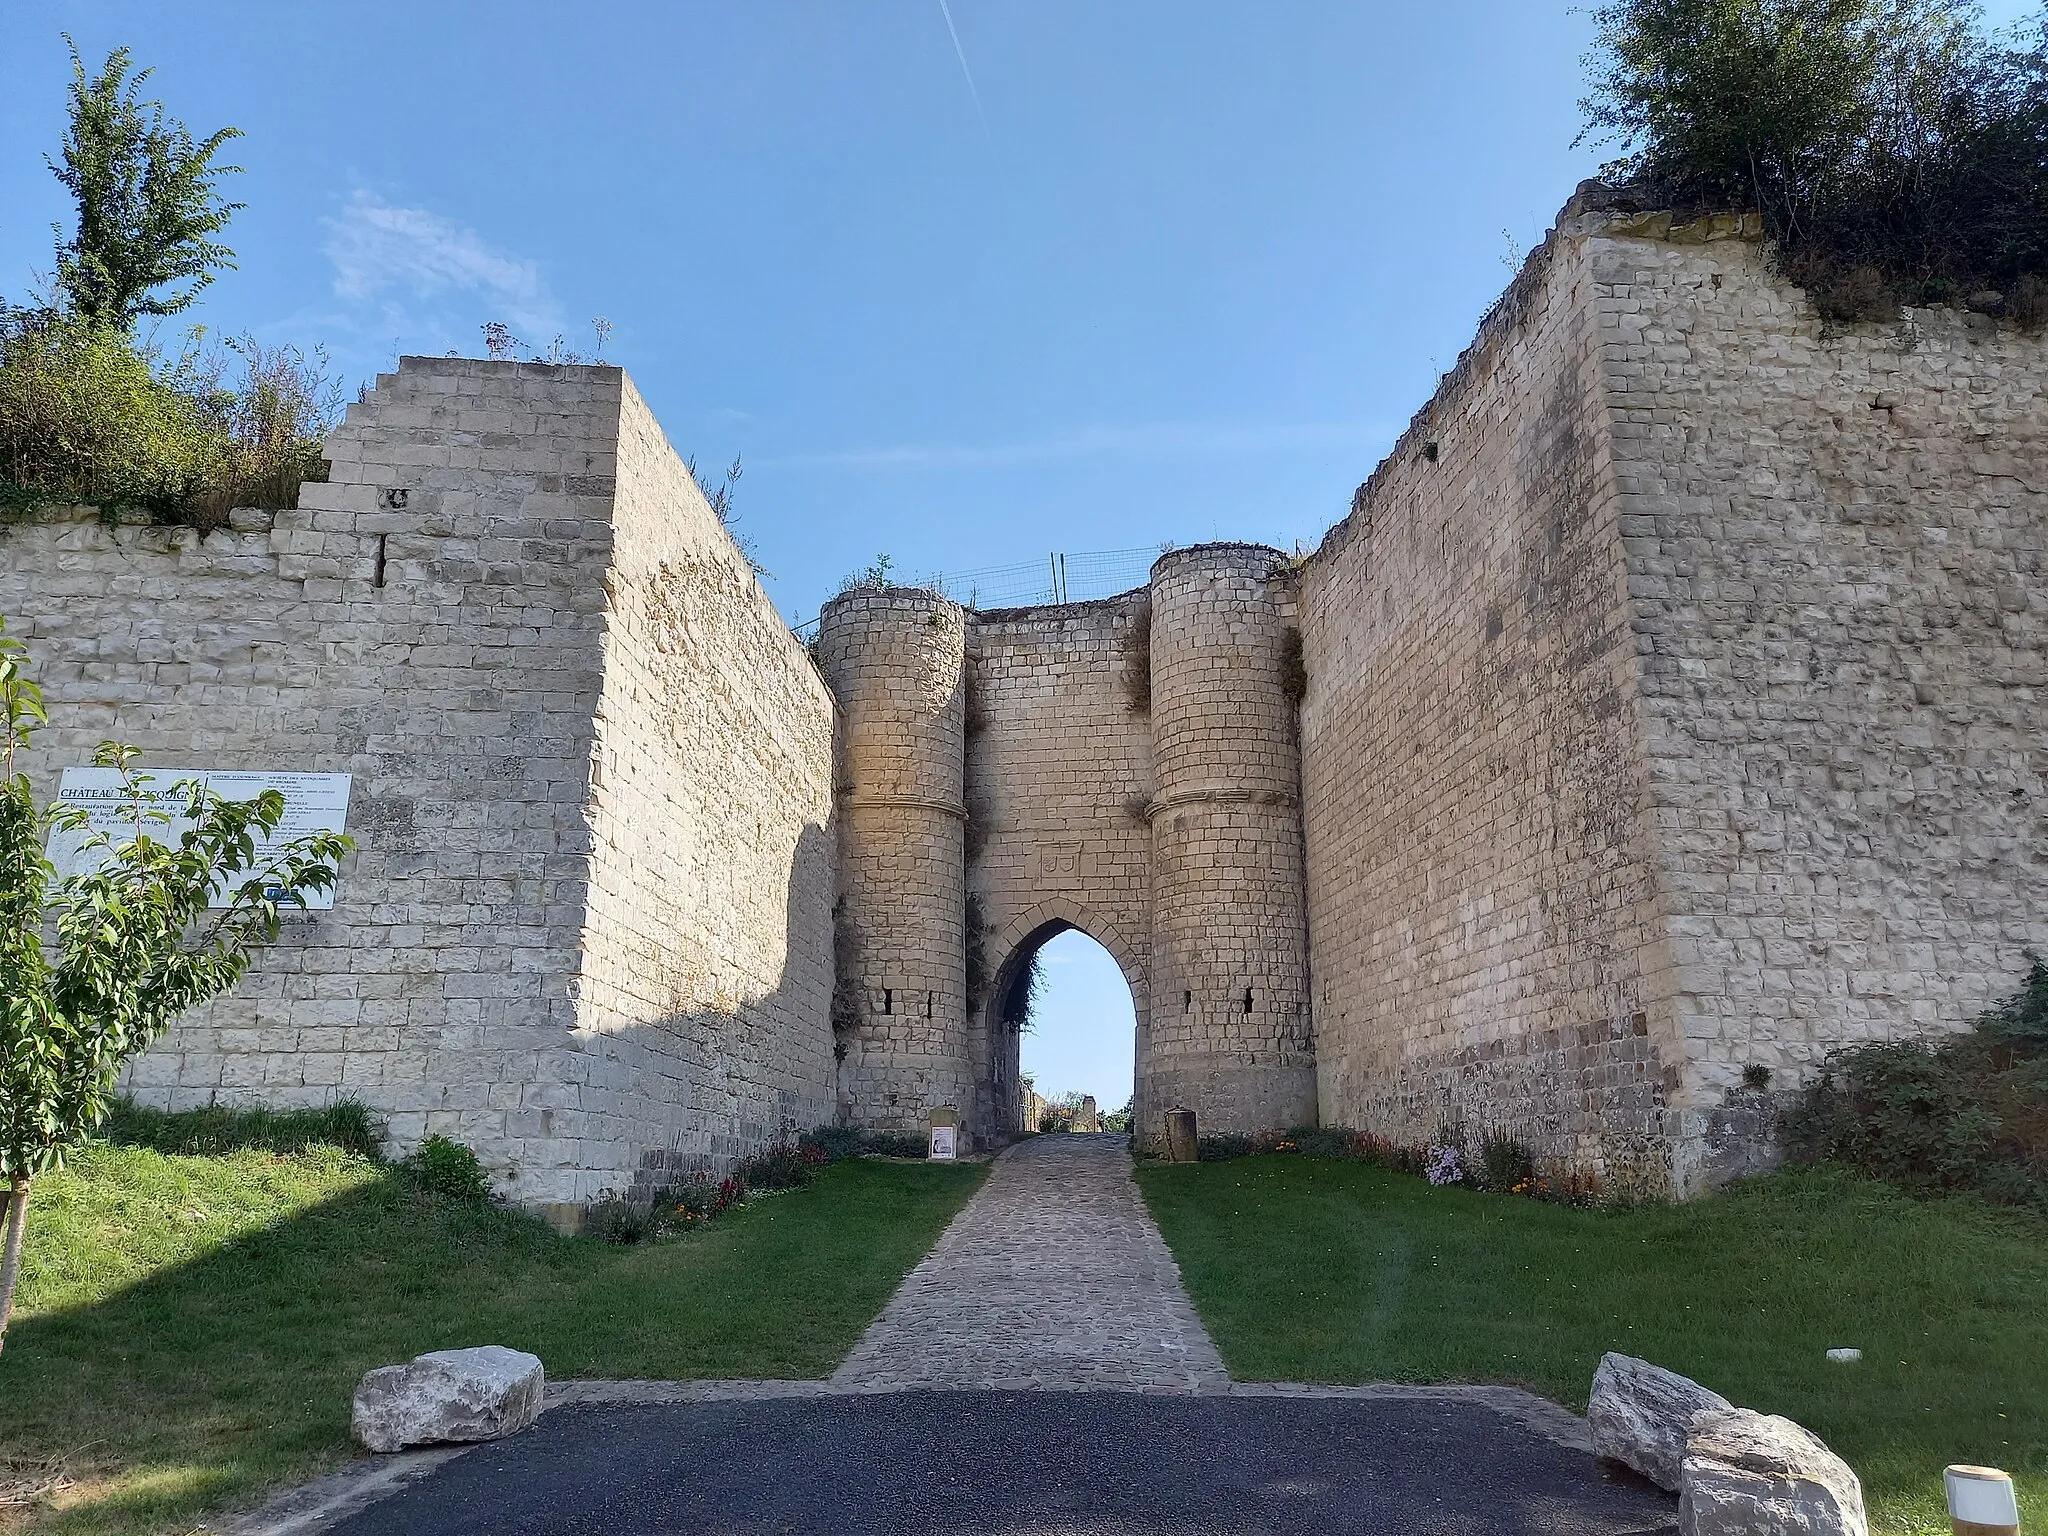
{"type": "Point", "coordinates": [1310, 1270]}
{"type": "Point", "coordinates": [192, 1327]}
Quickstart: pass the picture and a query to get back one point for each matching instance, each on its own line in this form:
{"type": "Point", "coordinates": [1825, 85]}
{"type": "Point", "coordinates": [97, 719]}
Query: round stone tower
{"type": "Point", "coordinates": [1228, 1033]}
{"type": "Point", "coordinates": [896, 659]}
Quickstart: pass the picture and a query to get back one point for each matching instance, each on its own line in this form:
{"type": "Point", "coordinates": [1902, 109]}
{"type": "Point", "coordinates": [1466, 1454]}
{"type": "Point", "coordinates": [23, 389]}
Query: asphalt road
{"type": "Point", "coordinates": [1043, 1463]}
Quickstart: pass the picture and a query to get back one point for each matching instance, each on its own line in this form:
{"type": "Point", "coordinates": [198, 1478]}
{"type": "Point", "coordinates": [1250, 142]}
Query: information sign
{"type": "Point", "coordinates": [313, 802]}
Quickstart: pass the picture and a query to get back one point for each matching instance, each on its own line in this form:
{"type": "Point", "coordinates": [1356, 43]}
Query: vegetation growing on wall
{"type": "Point", "coordinates": [975, 929]}
{"type": "Point", "coordinates": [1138, 659]}
{"type": "Point", "coordinates": [1896, 154]}
{"type": "Point", "coordinates": [1027, 989]}
{"type": "Point", "coordinates": [91, 413]}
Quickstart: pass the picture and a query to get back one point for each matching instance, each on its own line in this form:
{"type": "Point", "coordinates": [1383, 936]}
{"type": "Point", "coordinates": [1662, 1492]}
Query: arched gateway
{"type": "Point", "coordinates": [1126, 767]}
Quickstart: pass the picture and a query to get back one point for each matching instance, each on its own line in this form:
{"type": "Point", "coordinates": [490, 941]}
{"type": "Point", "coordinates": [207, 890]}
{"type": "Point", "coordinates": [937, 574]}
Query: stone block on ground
{"type": "Point", "coordinates": [1640, 1414]}
{"type": "Point", "coordinates": [1755, 1474]}
{"type": "Point", "coordinates": [449, 1396]}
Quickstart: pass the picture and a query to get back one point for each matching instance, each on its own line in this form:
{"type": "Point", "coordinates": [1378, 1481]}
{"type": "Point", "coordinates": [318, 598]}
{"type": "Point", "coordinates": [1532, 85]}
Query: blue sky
{"type": "Point", "coordinates": [1108, 274]}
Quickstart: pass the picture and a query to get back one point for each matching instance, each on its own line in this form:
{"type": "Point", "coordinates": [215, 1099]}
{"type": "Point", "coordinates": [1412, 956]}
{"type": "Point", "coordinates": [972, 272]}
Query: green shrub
{"type": "Point", "coordinates": [1895, 153]}
{"type": "Point", "coordinates": [836, 1142]}
{"type": "Point", "coordinates": [217, 1128]}
{"type": "Point", "coordinates": [1969, 1112]}
{"type": "Point", "coordinates": [1323, 1140]}
{"type": "Point", "coordinates": [88, 416]}
{"type": "Point", "coordinates": [612, 1218]}
{"type": "Point", "coordinates": [1506, 1166]}
{"type": "Point", "coordinates": [451, 1170]}
{"type": "Point", "coordinates": [1223, 1147]}
{"type": "Point", "coordinates": [783, 1166]}
{"type": "Point", "coordinates": [895, 1144]}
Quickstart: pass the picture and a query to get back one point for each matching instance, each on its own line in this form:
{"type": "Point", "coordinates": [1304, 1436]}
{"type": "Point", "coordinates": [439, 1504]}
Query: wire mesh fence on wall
{"type": "Point", "coordinates": [1058, 578]}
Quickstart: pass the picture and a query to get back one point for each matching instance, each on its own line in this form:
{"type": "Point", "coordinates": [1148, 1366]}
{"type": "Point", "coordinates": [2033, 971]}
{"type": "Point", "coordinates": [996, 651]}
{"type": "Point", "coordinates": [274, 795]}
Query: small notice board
{"type": "Point", "coordinates": [944, 1145]}
{"type": "Point", "coordinates": [313, 802]}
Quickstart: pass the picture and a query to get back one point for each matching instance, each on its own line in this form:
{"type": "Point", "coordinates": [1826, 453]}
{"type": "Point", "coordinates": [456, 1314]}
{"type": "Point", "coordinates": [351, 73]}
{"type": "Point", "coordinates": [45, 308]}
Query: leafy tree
{"type": "Point", "coordinates": [148, 204]}
{"type": "Point", "coordinates": [136, 941]}
{"type": "Point", "coordinates": [1894, 152]}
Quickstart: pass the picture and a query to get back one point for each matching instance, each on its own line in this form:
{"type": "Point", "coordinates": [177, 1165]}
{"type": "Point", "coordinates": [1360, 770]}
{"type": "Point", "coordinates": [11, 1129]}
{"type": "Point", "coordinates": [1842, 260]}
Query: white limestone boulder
{"type": "Point", "coordinates": [450, 1395]}
{"type": "Point", "coordinates": [1755, 1474]}
{"type": "Point", "coordinates": [1640, 1413]}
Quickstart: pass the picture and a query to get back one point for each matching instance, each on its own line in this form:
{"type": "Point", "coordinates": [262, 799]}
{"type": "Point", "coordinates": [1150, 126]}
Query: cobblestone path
{"type": "Point", "coordinates": [1054, 1275]}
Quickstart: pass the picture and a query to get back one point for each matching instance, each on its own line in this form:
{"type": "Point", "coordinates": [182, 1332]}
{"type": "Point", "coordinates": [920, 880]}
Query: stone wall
{"type": "Point", "coordinates": [702, 1027]}
{"type": "Point", "coordinates": [1836, 548]}
{"type": "Point", "coordinates": [1669, 705]}
{"type": "Point", "coordinates": [435, 622]}
{"type": "Point", "coordinates": [1483, 923]}
{"type": "Point", "coordinates": [1673, 707]}
{"type": "Point", "coordinates": [1059, 773]}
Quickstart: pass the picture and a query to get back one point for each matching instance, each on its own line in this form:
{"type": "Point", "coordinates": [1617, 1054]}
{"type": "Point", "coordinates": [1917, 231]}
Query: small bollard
{"type": "Point", "coordinates": [1181, 1144]}
{"type": "Point", "coordinates": [1981, 1502]}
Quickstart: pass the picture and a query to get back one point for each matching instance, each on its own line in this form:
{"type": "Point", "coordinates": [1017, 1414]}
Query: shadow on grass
{"type": "Point", "coordinates": [229, 1368]}
{"type": "Point", "coordinates": [1313, 1270]}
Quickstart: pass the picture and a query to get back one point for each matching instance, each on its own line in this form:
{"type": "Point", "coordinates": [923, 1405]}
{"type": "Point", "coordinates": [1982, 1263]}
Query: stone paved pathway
{"type": "Point", "coordinates": [1054, 1275]}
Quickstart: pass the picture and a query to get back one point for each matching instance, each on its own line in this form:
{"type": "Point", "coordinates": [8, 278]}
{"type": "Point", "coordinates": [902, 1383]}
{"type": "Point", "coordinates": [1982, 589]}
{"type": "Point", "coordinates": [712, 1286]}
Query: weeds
{"type": "Point", "coordinates": [451, 1170]}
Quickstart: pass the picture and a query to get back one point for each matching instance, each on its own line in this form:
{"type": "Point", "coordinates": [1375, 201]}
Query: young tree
{"type": "Point", "coordinates": [148, 205]}
{"type": "Point", "coordinates": [137, 942]}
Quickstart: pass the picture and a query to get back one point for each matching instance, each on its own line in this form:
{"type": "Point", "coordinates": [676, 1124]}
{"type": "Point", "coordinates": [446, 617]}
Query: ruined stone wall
{"type": "Point", "coordinates": [896, 660]}
{"type": "Point", "coordinates": [1059, 772]}
{"type": "Point", "coordinates": [1484, 930]}
{"type": "Point", "coordinates": [702, 1020]}
{"type": "Point", "coordinates": [1230, 1027]}
{"type": "Point", "coordinates": [433, 621]}
{"type": "Point", "coordinates": [1836, 550]}
{"type": "Point", "coordinates": [430, 626]}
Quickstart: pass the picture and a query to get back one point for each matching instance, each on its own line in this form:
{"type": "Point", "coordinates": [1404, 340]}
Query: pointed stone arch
{"type": "Point", "coordinates": [998, 1090]}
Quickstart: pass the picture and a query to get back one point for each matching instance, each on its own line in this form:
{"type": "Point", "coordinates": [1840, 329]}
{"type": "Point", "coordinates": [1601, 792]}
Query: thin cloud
{"type": "Point", "coordinates": [960, 53]}
{"type": "Point", "coordinates": [1154, 440]}
{"type": "Point", "coordinates": [394, 258]}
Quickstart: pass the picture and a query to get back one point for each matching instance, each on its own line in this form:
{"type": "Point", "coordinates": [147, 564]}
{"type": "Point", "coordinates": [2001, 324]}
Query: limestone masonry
{"type": "Point", "coordinates": [1668, 705]}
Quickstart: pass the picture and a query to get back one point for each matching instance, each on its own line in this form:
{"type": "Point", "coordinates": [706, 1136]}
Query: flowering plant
{"type": "Point", "coordinates": [1445, 1165]}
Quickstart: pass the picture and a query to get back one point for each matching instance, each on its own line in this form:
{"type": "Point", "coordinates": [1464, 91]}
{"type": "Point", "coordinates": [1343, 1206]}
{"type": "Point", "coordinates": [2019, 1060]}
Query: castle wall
{"type": "Point", "coordinates": [896, 660]}
{"type": "Point", "coordinates": [1059, 772]}
{"type": "Point", "coordinates": [1230, 1027]}
{"type": "Point", "coordinates": [1836, 546]}
{"type": "Point", "coordinates": [433, 621]}
{"type": "Point", "coordinates": [703, 1026]}
{"type": "Point", "coordinates": [1484, 921]}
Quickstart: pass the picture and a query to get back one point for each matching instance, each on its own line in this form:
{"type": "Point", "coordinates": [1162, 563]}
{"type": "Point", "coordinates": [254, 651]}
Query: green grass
{"type": "Point", "coordinates": [1313, 1270]}
{"type": "Point", "coordinates": [192, 1328]}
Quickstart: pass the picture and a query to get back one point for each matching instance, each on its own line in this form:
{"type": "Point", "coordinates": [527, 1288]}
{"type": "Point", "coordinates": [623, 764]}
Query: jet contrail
{"type": "Point", "coordinates": [946, 11]}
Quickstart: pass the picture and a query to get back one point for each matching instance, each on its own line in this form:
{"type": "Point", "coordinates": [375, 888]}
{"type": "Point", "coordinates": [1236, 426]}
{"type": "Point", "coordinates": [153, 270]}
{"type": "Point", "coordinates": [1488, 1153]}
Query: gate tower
{"type": "Point", "coordinates": [1229, 1032]}
{"type": "Point", "coordinates": [896, 660]}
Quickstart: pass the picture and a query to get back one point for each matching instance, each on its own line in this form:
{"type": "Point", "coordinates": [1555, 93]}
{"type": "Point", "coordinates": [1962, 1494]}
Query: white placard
{"type": "Point", "coordinates": [313, 802]}
{"type": "Point", "coordinates": [943, 1143]}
